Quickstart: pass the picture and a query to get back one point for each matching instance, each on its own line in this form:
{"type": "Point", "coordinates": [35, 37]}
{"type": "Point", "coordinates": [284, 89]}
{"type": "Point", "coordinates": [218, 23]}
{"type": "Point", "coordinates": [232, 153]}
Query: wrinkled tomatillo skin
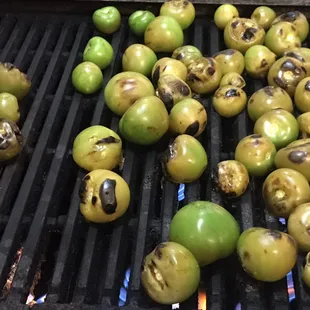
{"type": "Point", "coordinates": [206, 229]}
{"type": "Point", "coordinates": [170, 273]}
{"type": "Point", "coordinates": [295, 156]}
{"type": "Point", "coordinates": [104, 196]}
{"type": "Point", "coordinates": [261, 252]}
{"type": "Point", "coordinates": [283, 190]}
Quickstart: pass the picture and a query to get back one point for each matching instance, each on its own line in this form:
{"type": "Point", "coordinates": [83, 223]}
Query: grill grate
{"type": "Point", "coordinates": [83, 266]}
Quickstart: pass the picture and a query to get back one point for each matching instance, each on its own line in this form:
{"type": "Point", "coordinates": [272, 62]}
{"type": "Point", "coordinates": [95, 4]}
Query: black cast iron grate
{"type": "Point", "coordinates": [82, 266]}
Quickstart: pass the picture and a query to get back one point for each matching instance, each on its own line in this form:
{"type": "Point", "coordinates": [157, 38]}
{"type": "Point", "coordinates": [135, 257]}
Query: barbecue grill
{"type": "Point", "coordinates": [47, 250]}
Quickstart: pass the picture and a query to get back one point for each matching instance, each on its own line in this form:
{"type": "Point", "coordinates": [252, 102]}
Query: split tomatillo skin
{"type": "Point", "coordinates": [104, 196]}
{"type": "Point", "coordinates": [97, 147]}
{"type": "Point", "coordinates": [11, 140]}
{"type": "Point", "coordinates": [170, 273]}
{"type": "Point", "coordinates": [283, 190]}
{"type": "Point", "coordinates": [261, 252]}
{"type": "Point", "coordinates": [295, 156]}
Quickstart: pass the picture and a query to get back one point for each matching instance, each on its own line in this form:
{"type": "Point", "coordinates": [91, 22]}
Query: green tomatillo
{"type": "Point", "coordinates": [139, 20]}
{"type": "Point", "coordinates": [107, 20]}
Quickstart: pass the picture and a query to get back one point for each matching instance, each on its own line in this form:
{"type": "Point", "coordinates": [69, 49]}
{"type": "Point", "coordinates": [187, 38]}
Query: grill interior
{"type": "Point", "coordinates": [82, 266]}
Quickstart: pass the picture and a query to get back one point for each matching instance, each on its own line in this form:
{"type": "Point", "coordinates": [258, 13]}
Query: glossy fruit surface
{"type": "Point", "coordinates": [261, 252]}
{"type": "Point", "coordinates": [104, 196]}
{"type": "Point", "coordinates": [87, 78]}
{"type": "Point", "coordinates": [98, 51]}
{"type": "Point", "coordinates": [298, 226]}
{"type": "Point", "coordinates": [206, 229]}
{"type": "Point", "coordinates": [182, 10]}
{"type": "Point", "coordinates": [267, 99]}
{"type": "Point", "coordinates": [186, 54]}
{"type": "Point", "coordinates": [264, 16]}
{"type": "Point", "coordinates": [97, 147]}
{"type": "Point", "coordinates": [124, 89]}
{"type": "Point", "coordinates": [230, 60]}
{"type": "Point", "coordinates": [107, 20]}
{"type": "Point", "coordinates": [9, 108]}
{"type": "Point", "coordinates": [224, 14]}
{"type": "Point", "coordinates": [185, 160]}
{"type": "Point", "coordinates": [145, 122]}
{"type": "Point", "coordinates": [242, 33]}
{"type": "Point", "coordinates": [170, 273]}
{"type": "Point", "coordinates": [163, 34]}
{"type": "Point", "coordinates": [188, 117]}
{"type": "Point", "coordinates": [139, 58]}
{"type": "Point", "coordinates": [280, 126]}
{"type": "Point", "coordinates": [257, 153]}
{"type": "Point", "coordinates": [284, 190]}
{"type": "Point", "coordinates": [139, 20]}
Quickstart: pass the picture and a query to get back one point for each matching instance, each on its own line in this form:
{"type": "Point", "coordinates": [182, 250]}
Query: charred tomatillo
{"type": "Point", "coordinates": [87, 78]}
{"type": "Point", "coordinates": [107, 20]}
{"type": "Point", "coordinates": [99, 51]}
{"type": "Point", "coordinates": [139, 20]}
{"type": "Point", "coordinates": [139, 58]}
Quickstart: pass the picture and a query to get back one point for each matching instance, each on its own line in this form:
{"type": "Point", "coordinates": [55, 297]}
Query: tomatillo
{"type": "Point", "coordinates": [87, 78]}
{"type": "Point", "coordinates": [99, 51]}
{"type": "Point", "coordinates": [9, 107]}
{"type": "Point", "coordinates": [107, 20]}
{"type": "Point", "coordinates": [265, 254]}
{"type": "Point", "coordinates": [104, 196]}
{"type": "Point", "coordinates": [139, 58]}
{"type": "Point", "coordinates": [264, 16]}
{"type": "Point", "coordinates": [206, 229]}
{"type": "Point", "coordinates": [230, 60]}
{"type": "Point", "coordinates": [145, 122]}
{"type": "Point", "coordinates": [139, 20]}
{"type": "Point", "coordinates": [186, 54]}
{"type": "Point", "coordinates": [224, 14]}
{"type": "Point", "coordinates": [280, 126]}
{"type": "Point", "coordinates": [97, 147]}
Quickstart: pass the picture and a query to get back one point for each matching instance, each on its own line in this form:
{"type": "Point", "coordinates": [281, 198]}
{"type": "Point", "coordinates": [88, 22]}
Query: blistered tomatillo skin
{"type": "Point", "coordinates": [242, 33]}
{"type": "Point", "coordinates": [280, 126]}
{"type": "Point", "coordinates": [298, 226]}
{"type": "Point", "coordinates": [261, 252]}
{"type": "Point", "coordinates": [257, 153]}
{"type": "Point", "coordinates": [139, 58]}
{"type": "Point", "coordinates": [188, 117]}
{"type": "Point", "coordinates": [124, 89]}
{"type": "Point", "coordinates": [186, 54]}
{"type": "Point", "coordinates": [264, 16]}
{"type": "Point", "coordinates": [87, 78]}
{"type": "Point", "coordinates": [229, 101]}
{"type": "Point", "coordinates": [258, 60]}
{"type": "Point", "coordinates": [104, 196]}
{"type": "Point", "coordinates": [185, 160]}
{"type": "Point", "coordinates": [206, 229]}
{"type": "Point", "coordinates": [145, 122]}
{"type": "Point", "coordinates": [283, 190]}
{"type": "Point", "coordinates": [13, 81]}
{"type": "Point", "coordinates": [9, 108]}
{"type": "Point", "coordinates": [163, 34]}
{"type": "Point", "coordinates": [182, 10]}
{"type": "Point", "coordinates": [286, 73]}
{"type": "Point", "coordinates": [281, 37]}
{"type": "Point", "coordinates": [304, 125]}
{"type": "Point", "coordinates": [139, 20]}
{"type": "Point", "coordinates": [233, 79]}
{"type": "Point", "coordinates": [298, 19]}
{"type": "Point", "coordinates": [232, 178]}
{"type": "Point", "coordinates": [204, 75]}
{"type": "Point", "coordinates": [171, 90]}
{"type": "Point", "coordinates": [170, 273]}
{"type": "Point", "coordinates": [230, 60]}
{"type": "Point", "coordinates": [295, 156]}
{"type": "Point", "coordinates": [267, 99]}
{"type": "Point", "coordinates": [107, 20]}
{"type": "Point", "coordinates": [300, 53]}
{"type": "Point", "coordinates": [224, 14]}
{"type": "Point", "coordinates": [11, 140]}
{"type": "Point", "coordinates": [168, 65]}
{"type": "Point", "coordinates": [97, 147]}
{"type": "Point", "coordinates": [98, 51]}
{"type": "Point", "coordinates": [302, 95]}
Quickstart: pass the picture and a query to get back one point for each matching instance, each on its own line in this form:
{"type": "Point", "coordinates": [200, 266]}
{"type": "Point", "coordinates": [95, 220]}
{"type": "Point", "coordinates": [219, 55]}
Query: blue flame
{"type": "Point", "coordinates": [123, 291]}
{"type": "Point", "coordinates": [181, 192]}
